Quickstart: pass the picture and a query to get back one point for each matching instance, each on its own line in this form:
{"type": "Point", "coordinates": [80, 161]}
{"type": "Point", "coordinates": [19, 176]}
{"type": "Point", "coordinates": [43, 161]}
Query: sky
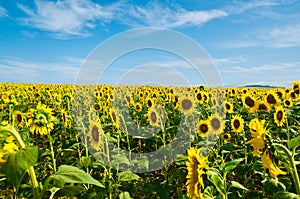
{"type": "Point", "coordinates": [245, 41]}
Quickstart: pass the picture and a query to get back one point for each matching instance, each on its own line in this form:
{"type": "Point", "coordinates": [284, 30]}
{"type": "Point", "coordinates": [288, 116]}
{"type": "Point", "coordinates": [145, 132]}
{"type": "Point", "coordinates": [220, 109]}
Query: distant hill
{"type": "Point", "coordinates": [260, 86]}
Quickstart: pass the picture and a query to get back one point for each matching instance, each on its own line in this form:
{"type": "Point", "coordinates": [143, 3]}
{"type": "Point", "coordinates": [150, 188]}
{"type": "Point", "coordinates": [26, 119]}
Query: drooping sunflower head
{"type": "Point", "coordinates": [114, 115]}
{"type": "Point", "coordinates": [195, 166]}
{"type": "Point", "coordinates": [237, 124]}
{"type": "Point", "coordinates": [41, 119]}
{"type": "Point", "coordinates": [95, 135]}
{"type": "Point", "coordinates": [203, 128]}
{"type": "Point", "coordinates": [216, 124]}
{"type": "Point", "coordinates": [279, 116]}
{"type": "Point", "coordinates": [257, 127]}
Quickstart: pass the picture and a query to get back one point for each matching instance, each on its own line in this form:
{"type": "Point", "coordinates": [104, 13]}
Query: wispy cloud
{"type": "Point", "coordinates": [3, 12]}
{"type": "Point", "coordinates": [19, 70]}
{"type": "Point", "coordinates": [70, 18]}
{"type": "Point", "coordinates": [161, 15]}
{"type": "Point", "coordinates": [75, 18]}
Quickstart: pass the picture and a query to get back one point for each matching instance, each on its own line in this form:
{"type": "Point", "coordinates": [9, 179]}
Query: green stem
{"type": "Point", "coordinates": [52, 154]}
{"type": "Point", "coordinates": [31, 172]}
{"type": "Point", "coordinates": [294, 172]}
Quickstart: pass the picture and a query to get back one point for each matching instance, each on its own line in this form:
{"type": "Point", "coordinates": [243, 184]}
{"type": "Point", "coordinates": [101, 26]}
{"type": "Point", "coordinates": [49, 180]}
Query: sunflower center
{"type": "Point", "coordinates": [95, 133]}
{"type": "Point", "coordinates": [236, 124]}
{"type": "Point", "coordinates": [279, 115]}
{"type": "Point", "coordinates": [204, 128]}
{"type": "Point", "coordinates": [149, 103]}
{"type": "Point", "coordinates": [271, 99]}
{"type": "Point", "coordinates": [199, 96]}
{"type": "Point", "coordinates": [262, 107]}
{"type": "Point", "coordinates": [227, 106]}
{"type": "Point", "coordinates": [225, 137]}
{"type": "Point", "coordinates": [97, 107]}
{"type": "Point", "coordinates": [215, 123]}
{"type": "Point", "coordinates": [250, 102]}
{"type": "Point", "coordinates": [186, 104]}
{"type": "Point", "coordinates": [287, 102]}
{"type": "Point", "coordinates": [153, 117]}
{"type": "Point", "coordinates": [19, 118]}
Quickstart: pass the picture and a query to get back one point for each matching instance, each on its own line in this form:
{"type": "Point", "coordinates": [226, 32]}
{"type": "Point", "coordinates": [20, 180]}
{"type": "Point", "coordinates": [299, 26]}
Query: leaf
{"type": "Point", "coordinates": [127, 176]}
{"type": "Point", "coordinates": [285, 195]}
{"type": "Point", "coordinates": [120, 159]}
{"type": "Point", "coordinates": [217, 181]}
{"type": "Point", "coordinates": [69, 191]}
{"type": "Point", "coordinates": [238, 185]}
{"type": "Point", "coordinates": [17, 164]}
{"type": "Point", "coordinates": [124, 195]}
{"type": "Point", "coordinates": [71, 174]}
{"type": "Point", "coordinates": [295, 142]}
{"type": "Point", "coordinates": [232, 164]}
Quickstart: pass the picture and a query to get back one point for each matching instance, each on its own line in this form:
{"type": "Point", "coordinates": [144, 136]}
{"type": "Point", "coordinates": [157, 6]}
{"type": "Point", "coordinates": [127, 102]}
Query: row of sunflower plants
{"type": "Point", "coordinates": [81, 141]}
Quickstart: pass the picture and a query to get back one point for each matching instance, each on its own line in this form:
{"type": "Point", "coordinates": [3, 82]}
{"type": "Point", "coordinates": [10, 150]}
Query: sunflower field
{"type": "Point", "coordinates": [100, 141]}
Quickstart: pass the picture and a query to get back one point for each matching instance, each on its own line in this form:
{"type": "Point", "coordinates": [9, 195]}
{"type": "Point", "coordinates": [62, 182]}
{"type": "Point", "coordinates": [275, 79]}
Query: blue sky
{"type": "Point", "coordinates": [249, 41]}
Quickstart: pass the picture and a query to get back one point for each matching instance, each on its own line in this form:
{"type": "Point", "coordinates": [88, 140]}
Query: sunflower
{"type": "Point", "coordinates": [279, 116]}
{"type": "Point", "coordinates": [186, 105]}
{"type": "Point", "coordinates": [226, 136]}
{"type": "Point", "coordinates": [5, 97]}
{"type": "Point", "coordinates": [19, 118]}
{"type": "Point", "coordinates": [257, 143]}
{"type": "Point", "coordinates": [199, 96]}
{"type": "Point", "coordinates": [41, 119]}
{"type": "Point", "coordinates": [216, 124]}
{"type": "Point", "coordinates": [288, 103]}
{"type": "Point", "coordinates": [96, 135]}
{"type": "Point", "coordinates": [228, 107]}
{"type": "Point", "coordinates": [263, 106]}
{"type": "Point", "coordinates": [258, 131]}
{"type": "Point", "coordinates": [272, 98]}
{"type": "Point", "coordinates": [195, 166]}
{"type": "Point", "coordinates": [249, 102]}
{"type": "Point", "coordinates": [138, 107]}
{"type": "Point", "coordinates": [153, 117]}
{"type": "Point", "coordinates": [269, 164]}
{"type": "Point", "coordinates": [64, 117]}
{"type": "Point", "coordinates": [296, 87]}
{"type": "Point", "coordinates": [149, 102]}
{"type": "Point", "coordinates": [114, 117]}
{"type": "Point", "coordinates": [237, 124]}
{"type": "Point", "coordinates": [203, 128]}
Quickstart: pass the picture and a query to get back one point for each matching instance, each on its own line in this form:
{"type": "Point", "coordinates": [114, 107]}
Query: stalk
{"type": "Point", "coordinates": [30, 171]}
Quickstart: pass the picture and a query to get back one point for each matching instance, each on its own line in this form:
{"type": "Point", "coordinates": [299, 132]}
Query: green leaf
{"type": "Point", "coordinates": [295, 142]}
{"type": "Point", "coordinates": [216, 179]}
{"type": "Point", "coordinates": [232, 164]}
{"type": "Point", "coordinates": [124, 195]}
{"type": "Point", "coordinates": [71, 174]}
{"type": "Point", "coordinates": [238, 185]}
{"type": "Point", "coordinates": [127, 176]}
{"type": "Point", "coordinates": [285, 195]}
{"type": "Point", "coordinates": [17, 164]}
{"type": "Point", "coordinates": [120, 159]}
{"type": "Point", "coordinates": [69, 191]}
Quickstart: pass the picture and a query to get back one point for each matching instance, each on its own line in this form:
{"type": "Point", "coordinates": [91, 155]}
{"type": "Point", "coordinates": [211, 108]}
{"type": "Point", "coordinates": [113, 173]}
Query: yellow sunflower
{"type": "Point", "coordinates": [19, 118]}
{"type": "Point", "coordinates": [237, 124]}
{"type": "Point", "coordinates": [202, 128]}
{"type": "Point", "coordinates": [272, 98]}
{"type": "Point", "coordinates": [249, 102]}
{"type": "Point", "coordinates": [5, 97]}
{"type": "Point", "coordinates": [228, 107]}
{"type": "Point", "coordinates": [226, 137]}
{"type": "Point", "coordinates": [186, 105]}
{"type": "Point", "coordinates": [195, 166]}
{"type": "Point", "coordinates": [269, 164]}
{"type": "Point", "coordinates": [41, 119]}
{"type": "Point", "coordinates": [138, 107]}
{"type": "Point", "coordinates": [288, 103]}
{"type": "Point", "coordinates": [153, 117]}
{"type": "Point", "coordinates": [263, 105]}
{"type": "Point", "coordinates": [114, 117]}
{"type": "Point", "coordinates": [216, 124]}
{"type": "Point", "coordinates": [96, 135]}
{"type": "Point", "coordinates": [279, 116]}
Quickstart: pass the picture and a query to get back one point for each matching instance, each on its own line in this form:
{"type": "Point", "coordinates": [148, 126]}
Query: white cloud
{"type": "Point", "coordinates": [70, 18]}
{"type": "Point", "coordinates": [18, 70]}
{"type": "Point", "coordinates": [157, 15]}
{"type": "Point", "coordinates": [3, 12]}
